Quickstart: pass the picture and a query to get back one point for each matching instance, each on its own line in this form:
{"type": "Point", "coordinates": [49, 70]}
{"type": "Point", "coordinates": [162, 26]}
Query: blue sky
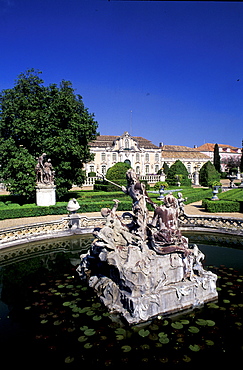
{"type": "Point", "coordinates": [175, 65]}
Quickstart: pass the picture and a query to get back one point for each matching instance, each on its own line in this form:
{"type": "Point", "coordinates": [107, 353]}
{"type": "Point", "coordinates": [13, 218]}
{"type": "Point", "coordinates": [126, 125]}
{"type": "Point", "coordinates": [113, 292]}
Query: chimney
{"type": "Point", "coordinates": [195, 146]}
{"type": "Point", "coordinates": [161, 144]}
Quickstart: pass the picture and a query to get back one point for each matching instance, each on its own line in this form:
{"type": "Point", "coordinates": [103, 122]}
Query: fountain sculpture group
{"type": "Point", "coordinates": [144, 267]}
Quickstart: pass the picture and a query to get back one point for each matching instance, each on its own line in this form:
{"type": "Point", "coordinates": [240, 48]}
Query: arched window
{"type": "Point", "coordinates": [126, 144]}
{"type": "Point", "coordinates": [137, 170]}
{"type": "Point", "coordinates": [147, 169]}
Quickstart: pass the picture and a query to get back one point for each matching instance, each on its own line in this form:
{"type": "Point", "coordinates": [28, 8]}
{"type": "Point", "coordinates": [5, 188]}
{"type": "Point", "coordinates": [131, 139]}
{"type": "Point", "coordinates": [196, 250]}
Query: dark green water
{"type": "Point", "coordinates": [49, 318]}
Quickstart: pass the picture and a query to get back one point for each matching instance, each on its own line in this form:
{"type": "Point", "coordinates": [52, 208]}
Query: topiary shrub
{"type": "Point", "coordinates": [208, 174]}
{"type": "Point", "coordinates": [117, 174]}
{"type": "Point", "coordinates": [158, 184]}
{"type": "Point", "coordinates": [177, 172]}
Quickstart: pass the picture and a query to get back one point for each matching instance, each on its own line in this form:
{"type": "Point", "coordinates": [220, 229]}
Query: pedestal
{"type": "Point", "coordinates": [45, 195]}
{"type": "Point", "coordinates": [141, 285]}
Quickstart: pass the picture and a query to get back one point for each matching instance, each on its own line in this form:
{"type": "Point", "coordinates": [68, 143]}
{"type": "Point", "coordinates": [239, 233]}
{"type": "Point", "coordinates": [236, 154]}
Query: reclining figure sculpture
{"type": "Point", "coordinates": [142, 267]}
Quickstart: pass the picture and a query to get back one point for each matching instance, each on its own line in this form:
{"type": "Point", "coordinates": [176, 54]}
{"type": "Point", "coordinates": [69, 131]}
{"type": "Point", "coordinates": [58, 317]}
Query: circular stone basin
{"type": "Point", "coordinates": [49, 317]}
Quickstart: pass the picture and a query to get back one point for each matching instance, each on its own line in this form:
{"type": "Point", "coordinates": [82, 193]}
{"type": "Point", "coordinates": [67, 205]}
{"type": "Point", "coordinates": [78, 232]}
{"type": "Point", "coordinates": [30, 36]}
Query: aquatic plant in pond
{"type": "Point", "coordinates": [69, 322]}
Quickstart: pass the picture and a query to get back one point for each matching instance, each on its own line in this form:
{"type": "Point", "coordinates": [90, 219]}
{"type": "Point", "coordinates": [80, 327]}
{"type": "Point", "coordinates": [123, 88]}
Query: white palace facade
{"type": "Point", "coordinates": [140, 153]}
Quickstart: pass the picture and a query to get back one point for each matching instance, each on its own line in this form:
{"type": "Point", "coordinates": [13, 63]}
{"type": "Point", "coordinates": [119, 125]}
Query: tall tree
{"type": "Point", "coordinates": [34, 119]}
{"type": "Point", "coordinates": [216, 158]}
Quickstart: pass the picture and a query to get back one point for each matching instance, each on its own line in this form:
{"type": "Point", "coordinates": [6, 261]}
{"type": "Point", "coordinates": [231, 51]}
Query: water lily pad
{"type": "Point", "coordinates": [96, 305]}
{"type": "Point", "coordinates": [186, 358]}
{"type": "Point", "coordinates": [61, 286]}
{"type": "Point", "coordinates": [119, 337]}
{"type": "Point", "coordinates": [97, 318]}
{"type": "Point", "coordinates": [88, 345]}
{"type": "Point", "coordinates": [83, 328]}
{"type": "Point", "coordinates": [238, 323]}
{"type": "Point", "coordinates": [154, 327]}
{"type": "Point", "coordinates": [193, 329]}
{"type": "Point", "coordinates": [120, 331]}
{"type": "Point", "coordinates": [194, 347]}
{"type": "Point", "coordinates": [212, 305]}
{"type": "Point", "coordinates": [145, 346]}
{"type": "Point", "coordinates": [90, 313]}
{"type": "Point", "coordinates": [209, 342]}
{"type": "Point", "coordinates": [210, 322]}
{"type": "Point", "coordinates": [57, 322]}
{"type": "Point", "coordinates": [89, 332]}
{"type": "Point", "coordinates": [201, 322]}
{"type": "Point", "coordinates": [75, 315]}
{"type": "Point", "coordinates": [82, 338]}
{"type": "Point", "coordinates": [66, 304]}
{"type": "Point", "coordinates": [162, 334]}
{"type": "Point", "coordinates": [75, 309]}
{"type": "Point", "coordinates": [27, 308]}
{"type": "Point", "coordinates": [83, 310]}
{"type": "Point", "coordinates": [143, 333]}
{"type": "Point", "coordinates": [70, 286]}
{"type": "Point", "coordinates": [69, 360]}
{"type": "Point", "coordinates": [44, 321]}
{"type": "Point", "coordinates": [164, 340]}
{"type": "Point", "coordinates": [185, 322]}
{"type": "Point", "coordinates": [165, 322]}
{"type": "Point", "coordinates": [126, 348]}
{"type": "Point", "coordinates": [226, 301]}
{"type": "Point", "coordinates": [177, 325]}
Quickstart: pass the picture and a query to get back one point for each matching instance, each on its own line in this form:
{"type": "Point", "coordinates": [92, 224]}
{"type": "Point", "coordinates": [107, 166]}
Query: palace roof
{"type": "Point", "coordinates": [179, 152]}
{"type": "Point", "coordinates": [104, 141]}
{"type": "Point", "coordinates": [208, 147]}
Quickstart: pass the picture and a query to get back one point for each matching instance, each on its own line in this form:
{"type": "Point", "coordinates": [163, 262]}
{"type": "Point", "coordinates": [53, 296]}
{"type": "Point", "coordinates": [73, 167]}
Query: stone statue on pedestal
{"type": "Point", "coordinates": [44, 170]}
{"type": "Point", "coordinates": [142, 267]}
{"type": "Point", "coordinates": [45, 188]}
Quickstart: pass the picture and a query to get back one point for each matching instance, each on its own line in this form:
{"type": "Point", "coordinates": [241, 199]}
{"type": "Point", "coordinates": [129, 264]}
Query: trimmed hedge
{"type": "Point", "coordinates": [21, 211]}
{"type": "Point", "coordinates": [217, 206]}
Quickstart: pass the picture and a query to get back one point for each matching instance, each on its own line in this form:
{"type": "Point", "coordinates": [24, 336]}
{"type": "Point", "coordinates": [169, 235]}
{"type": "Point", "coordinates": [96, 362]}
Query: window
{"type": "Point", "coordinates": [137, 170]}
{"type": "Point", "coordinates": [137, 157]}
{"type": "Point", "coordinates": [103, 157]}
{"type": "Point", "coordinates": [103, 170]}
{"type": "Point", "coordinates": [157, 157]}
{"type": "Point", "coordinates": [114, 157]}
{"type": "Point", "coordinates": [146, 157]}
{"type": "Point", "coordinates": [156, 168]}
{"type": "Point", "coordinates": [91, 169]}
{"type": "Point", "coordinates": [126, 144]}
{"type": "Point", "coordinates": [147, 169]}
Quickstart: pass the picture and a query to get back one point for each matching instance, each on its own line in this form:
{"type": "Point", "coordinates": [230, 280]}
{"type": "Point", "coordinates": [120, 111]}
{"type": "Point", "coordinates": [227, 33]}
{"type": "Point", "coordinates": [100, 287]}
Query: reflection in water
{"type": "Point", "coordinates": [49, 317]}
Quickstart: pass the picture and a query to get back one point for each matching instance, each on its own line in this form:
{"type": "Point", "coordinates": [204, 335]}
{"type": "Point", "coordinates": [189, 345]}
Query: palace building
{"type": "Point", "coordinates": [140, 153]}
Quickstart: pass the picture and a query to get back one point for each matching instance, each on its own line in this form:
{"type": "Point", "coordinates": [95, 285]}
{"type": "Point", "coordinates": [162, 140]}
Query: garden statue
{"type": "Point", "coordinates": [181, 204]}
{"type": "Point", "coordinates": [142, 267]}
{"type": "Point", "coordinates": [44, 170]}
{"type": "Point", "coordinates": [45, 188]}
